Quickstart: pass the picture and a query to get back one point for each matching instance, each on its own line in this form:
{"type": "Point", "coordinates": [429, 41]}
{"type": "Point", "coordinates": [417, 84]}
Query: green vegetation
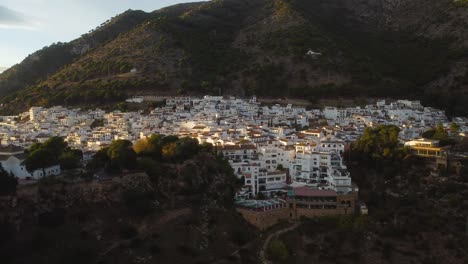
{"type": "Point", "coordinates": [38, 66]}
{"type": "Point", "coordinates": [461, 3]}
{"type": "Point", "coordinates": [170, 148]}
{"type": "Point", "coordinates": [177, 208]}
{"type": "Point", "coordinates": [439, 133]}
{"type": "Point", "coordinates": [97, 123]}
{"type": "Point", "coordinates": [54, 151]}
{"type": "Point", "coordinates": [379, 147]}
{"type": "Point", "coordinates": [277, 251]}
{"type": "Point", "coordinates": [157, 155]}
{"type": "Point", "coordinates": [226, 47]}
{"type": "Point", "coordinates": [206, 34]}
{"type": "Point", "coordinates": [454, 127]}
{"type": "Point", "coordinates": [118, 156]}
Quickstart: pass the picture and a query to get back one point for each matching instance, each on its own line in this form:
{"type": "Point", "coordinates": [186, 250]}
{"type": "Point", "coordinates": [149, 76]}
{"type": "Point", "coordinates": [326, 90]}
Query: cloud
{"type": "Point", "coordinates": [12, 19]}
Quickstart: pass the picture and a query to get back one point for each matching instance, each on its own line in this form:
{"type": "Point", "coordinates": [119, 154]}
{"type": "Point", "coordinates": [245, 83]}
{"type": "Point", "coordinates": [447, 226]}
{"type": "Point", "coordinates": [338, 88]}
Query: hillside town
{"type": "Point", "coordinates": [278, 150]}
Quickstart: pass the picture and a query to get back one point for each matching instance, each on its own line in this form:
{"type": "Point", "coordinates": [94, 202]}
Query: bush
{"type": "Point", "coordinates": [277, 251]}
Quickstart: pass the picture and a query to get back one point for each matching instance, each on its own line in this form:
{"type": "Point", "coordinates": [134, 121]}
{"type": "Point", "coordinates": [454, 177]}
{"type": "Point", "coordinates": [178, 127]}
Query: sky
{"type": "Point", "coordinates": [29, 25]}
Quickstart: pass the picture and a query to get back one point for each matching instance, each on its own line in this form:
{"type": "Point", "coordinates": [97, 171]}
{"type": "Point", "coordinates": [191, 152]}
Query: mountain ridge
{"type": "Point", "coordinates": [385, 48]}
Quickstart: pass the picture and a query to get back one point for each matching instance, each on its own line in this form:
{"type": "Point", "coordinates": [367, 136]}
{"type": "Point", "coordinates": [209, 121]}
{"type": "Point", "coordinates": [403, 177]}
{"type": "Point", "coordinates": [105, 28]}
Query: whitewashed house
{"type": "Point", "coordinates": [12, 160]}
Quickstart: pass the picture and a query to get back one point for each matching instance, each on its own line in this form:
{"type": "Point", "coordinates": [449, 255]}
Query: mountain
{"type": "Point", "coordinates": [2, 69]}
{"type": "Point", "coordinates": [358, 48]}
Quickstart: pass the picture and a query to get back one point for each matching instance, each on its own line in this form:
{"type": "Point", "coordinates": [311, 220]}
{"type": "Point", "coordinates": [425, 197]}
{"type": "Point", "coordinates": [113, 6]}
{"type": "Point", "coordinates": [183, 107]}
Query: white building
{"type": "Point", "coordinates": [12, 160]}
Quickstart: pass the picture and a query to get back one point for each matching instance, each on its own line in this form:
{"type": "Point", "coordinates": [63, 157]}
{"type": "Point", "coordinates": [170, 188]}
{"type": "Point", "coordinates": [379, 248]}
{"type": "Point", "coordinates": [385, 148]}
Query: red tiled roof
{"type": "Point", "coordinates": [308, 192]}
{"type": "Point", "coordinates": [11, 149]}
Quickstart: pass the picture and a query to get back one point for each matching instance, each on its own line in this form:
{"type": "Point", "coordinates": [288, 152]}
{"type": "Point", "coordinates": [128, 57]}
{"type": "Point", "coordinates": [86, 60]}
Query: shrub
{"type": "Point", "coordinates": [277, 251]}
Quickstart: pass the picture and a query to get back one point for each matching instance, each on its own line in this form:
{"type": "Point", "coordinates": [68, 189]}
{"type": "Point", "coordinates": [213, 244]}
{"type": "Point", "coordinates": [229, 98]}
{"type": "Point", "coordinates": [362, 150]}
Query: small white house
{"type": "Point", "coordinates": [12, 160]}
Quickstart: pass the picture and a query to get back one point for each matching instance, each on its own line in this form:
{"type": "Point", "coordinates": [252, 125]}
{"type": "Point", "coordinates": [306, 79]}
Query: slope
{"type": "Point", "coordinates": [395, 48]}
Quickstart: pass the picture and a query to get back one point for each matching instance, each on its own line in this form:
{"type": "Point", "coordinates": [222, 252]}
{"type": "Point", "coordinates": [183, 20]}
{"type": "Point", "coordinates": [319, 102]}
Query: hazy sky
{"type": "Point", "coordinates": [29, 25]}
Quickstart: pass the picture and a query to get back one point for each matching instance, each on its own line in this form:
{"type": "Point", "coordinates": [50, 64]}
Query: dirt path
{"type": "Point", "coordinates": [276, 234]}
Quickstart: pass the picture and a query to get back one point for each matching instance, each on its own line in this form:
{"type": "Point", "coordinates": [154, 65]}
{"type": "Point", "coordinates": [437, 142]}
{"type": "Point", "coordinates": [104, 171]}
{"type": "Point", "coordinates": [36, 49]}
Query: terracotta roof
{"type": "Point", "coordinates": [21, 156]}
{"type": "Point", "coordinates": [11, 149]}
{"type": "Point", "coordinates": [4, 157]}
{"type": "Point", "coordinates": [308, 192]}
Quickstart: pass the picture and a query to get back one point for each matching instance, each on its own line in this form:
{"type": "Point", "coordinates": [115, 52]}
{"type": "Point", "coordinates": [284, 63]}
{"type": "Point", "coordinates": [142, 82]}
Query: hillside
{"type": "Point", "coordinates": [387, 48]}
{"type": "Point", "coordinates": [174, 207]}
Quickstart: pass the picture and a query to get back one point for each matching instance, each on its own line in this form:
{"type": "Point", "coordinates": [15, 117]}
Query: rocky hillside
{"type": "Point", "coordinates": [169, 209]}
{"type": "Point", "coordinates": [359, 48]}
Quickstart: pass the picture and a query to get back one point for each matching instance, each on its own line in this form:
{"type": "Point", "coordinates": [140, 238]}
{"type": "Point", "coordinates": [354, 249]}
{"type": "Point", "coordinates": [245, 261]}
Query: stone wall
{"type": "Point", "coordinates": [265, 219]}
{"type": "Point", "coordinates": [345, 205]}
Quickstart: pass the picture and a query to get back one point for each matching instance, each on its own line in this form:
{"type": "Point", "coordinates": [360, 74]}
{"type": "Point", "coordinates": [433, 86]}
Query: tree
{"type": "Point", "coordinates": [169, 151]}
{"type": "Point", "coordinates": [40, 159]}
{"type": "Point", "coordinates": [429, 133]}
{"type": "Point", "coordinates": [56, 146]}
{"type": "Point", "coordinates": [54, 151]}
{"type": "Point", "coordinates": [97, 123]}
{"type": "Point", "coordinates": [379, 145]}
{"type": "Point", "coordinates": [99, 160]}
{"type": "Point", "coordinates": [440, 133]}
{"type": "Point", "coordinates": [186, 148]}
{"type": "Point", "coordinates": [70, 159]}
{"type": "Point", "coordinates": [121, 155]}
{"type": "Point", "coordinates": [150, 146]}
{"type": "Point", "coordinates": [169, 139]}
{"type": "Point", "coordinates": [454, 127]}
{"type": "Point", "coordinates": [142, 146]}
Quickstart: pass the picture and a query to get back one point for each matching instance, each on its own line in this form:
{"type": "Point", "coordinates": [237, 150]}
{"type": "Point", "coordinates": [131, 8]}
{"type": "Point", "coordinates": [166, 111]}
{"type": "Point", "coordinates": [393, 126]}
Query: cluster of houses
{"type": "Point", "coordinates": [278, 150]}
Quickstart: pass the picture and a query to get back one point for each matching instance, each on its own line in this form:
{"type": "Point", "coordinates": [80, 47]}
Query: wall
{"type": "Point", "coordinates": [265, 219]}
